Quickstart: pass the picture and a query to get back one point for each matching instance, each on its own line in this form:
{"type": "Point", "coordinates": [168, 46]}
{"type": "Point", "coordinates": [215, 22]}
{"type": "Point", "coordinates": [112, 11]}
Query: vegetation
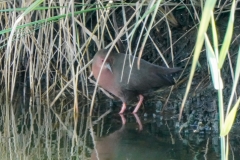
{"type": "Point", "coordinates": [47, 47]}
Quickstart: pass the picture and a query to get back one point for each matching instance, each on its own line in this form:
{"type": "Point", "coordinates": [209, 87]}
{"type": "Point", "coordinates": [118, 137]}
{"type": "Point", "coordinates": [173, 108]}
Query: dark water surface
{"type": "Point", "coordinates": [154, 140]}
{"type": "Point", "coordinates": [41, 132]}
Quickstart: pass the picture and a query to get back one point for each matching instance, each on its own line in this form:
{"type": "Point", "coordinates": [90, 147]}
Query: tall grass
{"type": "Point", "coordinates": [216, 60]}
{"type": "Point", "coordinates": [50, 44]}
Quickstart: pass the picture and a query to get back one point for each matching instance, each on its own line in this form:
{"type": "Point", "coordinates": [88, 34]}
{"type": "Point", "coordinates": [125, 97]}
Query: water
{"type": "Point", "coordinates": [157, 140]}
{"type": "Point", "coordinates": [29, 129]}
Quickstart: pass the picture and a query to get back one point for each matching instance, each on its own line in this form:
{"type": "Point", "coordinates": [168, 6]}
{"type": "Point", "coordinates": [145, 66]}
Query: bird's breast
{"type": "Point", "coordinates": [107, 81]}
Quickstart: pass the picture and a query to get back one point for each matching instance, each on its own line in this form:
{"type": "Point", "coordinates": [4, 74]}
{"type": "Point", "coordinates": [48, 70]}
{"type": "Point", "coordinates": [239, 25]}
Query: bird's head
{"type": "Point", "coordinates": [99, 60]}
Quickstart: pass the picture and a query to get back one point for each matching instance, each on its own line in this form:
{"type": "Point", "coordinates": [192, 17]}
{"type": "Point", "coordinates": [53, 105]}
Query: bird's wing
{"type": "Point", "coordinates": [141, 80]}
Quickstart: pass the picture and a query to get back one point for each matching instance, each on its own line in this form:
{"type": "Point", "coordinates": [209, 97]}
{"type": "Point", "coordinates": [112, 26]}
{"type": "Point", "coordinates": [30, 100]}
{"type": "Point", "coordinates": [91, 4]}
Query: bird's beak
{"type": "Point", "coordinates": [107, 65]}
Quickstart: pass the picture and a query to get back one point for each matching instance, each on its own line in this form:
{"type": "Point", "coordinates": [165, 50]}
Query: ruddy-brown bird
{"type": "Point", "coordinates": [116, 71]}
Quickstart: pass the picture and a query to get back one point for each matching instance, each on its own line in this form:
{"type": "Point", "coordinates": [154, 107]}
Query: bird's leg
{"type": "Point", "coordinates": [138, 104]}
{"type": "Point", "coordinates": [124, 106]}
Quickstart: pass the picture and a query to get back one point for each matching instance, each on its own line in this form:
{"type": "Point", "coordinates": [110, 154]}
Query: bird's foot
{"type": "Point", "coordinates": [123, 108]}
{"type": "Point", "coordinates": [138, 104]}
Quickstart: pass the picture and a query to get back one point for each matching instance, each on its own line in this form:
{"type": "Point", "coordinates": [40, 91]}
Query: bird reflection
{"type": "Point", "coordinates": [106, 148]}
{"type": "Point", "coordinates": [131, 143]}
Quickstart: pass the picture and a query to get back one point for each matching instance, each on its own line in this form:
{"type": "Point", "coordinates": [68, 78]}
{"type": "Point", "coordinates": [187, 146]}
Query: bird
{"type": "Point", "coordinates": [122, 77]}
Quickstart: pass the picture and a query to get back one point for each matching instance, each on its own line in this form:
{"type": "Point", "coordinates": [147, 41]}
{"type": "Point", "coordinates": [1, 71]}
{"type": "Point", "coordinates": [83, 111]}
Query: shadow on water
{"type": "Point", "coordinates": [39, 132]}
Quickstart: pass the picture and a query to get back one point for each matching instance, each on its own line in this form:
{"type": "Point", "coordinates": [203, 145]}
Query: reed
{"type": "Point", "coordinates": [46, 47]}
